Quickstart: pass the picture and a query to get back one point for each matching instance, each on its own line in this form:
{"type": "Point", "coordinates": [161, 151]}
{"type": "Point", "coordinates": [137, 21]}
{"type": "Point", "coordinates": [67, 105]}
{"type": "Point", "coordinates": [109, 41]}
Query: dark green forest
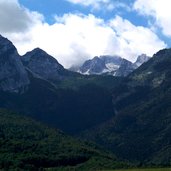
{"type": "Point", "coordinates": [29, 145]}
{"type": "Point", "coordinates": [140, 132]}
{"type": "Point", "coordinates": [78, 122]}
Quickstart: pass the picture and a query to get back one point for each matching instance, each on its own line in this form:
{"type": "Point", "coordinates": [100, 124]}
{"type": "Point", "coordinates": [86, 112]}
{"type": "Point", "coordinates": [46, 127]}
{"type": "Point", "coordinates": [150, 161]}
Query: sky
{"type": "Point", "coordinates": [76, 30]}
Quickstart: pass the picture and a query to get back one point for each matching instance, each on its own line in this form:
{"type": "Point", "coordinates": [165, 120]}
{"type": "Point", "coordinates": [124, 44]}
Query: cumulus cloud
{"type": "Point", "coordinates": [100, 4]}
{"type": "Point", "coordinates": [15, 18]}
{"type": "Point", "coordinates": [74, 38]}
{"type": "Point", "coordinates": [159, 10]}
{"type": "Point", "coordinates": [134, 40]}
{"type": "Point", "coordinates": [95, 4]}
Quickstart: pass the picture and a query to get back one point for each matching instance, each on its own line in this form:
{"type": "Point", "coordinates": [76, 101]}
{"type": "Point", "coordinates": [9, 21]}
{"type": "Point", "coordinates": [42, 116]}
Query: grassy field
{"type": "Point", "coordinates": [155, 169]}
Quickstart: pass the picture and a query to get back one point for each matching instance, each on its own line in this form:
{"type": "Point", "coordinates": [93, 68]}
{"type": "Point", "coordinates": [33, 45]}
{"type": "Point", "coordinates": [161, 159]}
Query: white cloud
{"type": "Point", "coordinates": [15, 18]}
{"type": "Point", "coordinates": [74, 38]}
{"type": "Point", "coordinates": [100, 4]}
{"type": "Point", "coordinates": [96, 4]}
{"type": "Point", "coordinates": [159, 10]}
{"type": "Point", "coordinates": [135, 39]}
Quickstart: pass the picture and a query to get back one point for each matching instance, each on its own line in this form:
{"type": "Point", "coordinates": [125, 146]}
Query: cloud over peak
{"type": "Point", "coordinates": [73, 38]}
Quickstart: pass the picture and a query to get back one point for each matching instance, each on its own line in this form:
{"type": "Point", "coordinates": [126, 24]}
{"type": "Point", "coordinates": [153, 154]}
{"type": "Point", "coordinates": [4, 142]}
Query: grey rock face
{"type": "Point", "coordinates": [111, 59]}
{"type": "Point", "coordinates": [94, 66]}
{"type": "Point", "coordinates": [111, 65]}
{"type": "Point", "coordinates": [42, 64]}
{"type": "Point", "coordinates": [105, 65]}
{"type": "Point", "coordinates": [13, 76]}
{"type": "Point", "coordinates": [100, 65]}
{"type": "Point", "coordinates": [125, 68]}
{"type": "Point", "coordinates": [140, 60]}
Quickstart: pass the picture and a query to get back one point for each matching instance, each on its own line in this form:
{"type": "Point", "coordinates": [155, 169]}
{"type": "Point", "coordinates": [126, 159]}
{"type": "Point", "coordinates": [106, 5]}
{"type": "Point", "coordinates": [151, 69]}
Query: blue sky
{"type": "Point", "coordinates": [59, 7]}
{"type": "Point", "coordinates": [75, 30]}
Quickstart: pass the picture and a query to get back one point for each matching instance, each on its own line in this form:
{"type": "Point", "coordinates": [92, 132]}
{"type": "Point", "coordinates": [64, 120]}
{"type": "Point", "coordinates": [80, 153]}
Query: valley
{"type": "Point", "coordinates": [53, 118]}
{"type": "Point", "coordinates": [85, 85]}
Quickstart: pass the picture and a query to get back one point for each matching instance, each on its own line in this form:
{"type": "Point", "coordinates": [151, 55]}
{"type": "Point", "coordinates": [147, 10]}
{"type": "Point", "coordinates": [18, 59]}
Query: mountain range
{"type": "Point", "coordinates": [127, 119]}
{"type": "Point", "coordinates": [57, 96]}
{"type": "Point", "coordinates": [110, 65]}
{"type": "Point", "coordinates": [140, 129]}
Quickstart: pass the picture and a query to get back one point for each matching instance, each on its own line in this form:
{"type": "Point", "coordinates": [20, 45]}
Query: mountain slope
{"type": "Point", "coordinates": [56, 96]}
{"type": "Point", "coordinates": [13, 76]}
{"type": "Point", "coordinates": [125, 68]}
{"type": "Point", "coordinates": [130, 116]}
{"type": "Point", "coordinates": [155, 71]}
{"type": "Point", "coordinates": [29, 145]}
{"type": "Point", "coordinates": [80, 108]}
{"type": "Point", "coordinates": [140, 129]}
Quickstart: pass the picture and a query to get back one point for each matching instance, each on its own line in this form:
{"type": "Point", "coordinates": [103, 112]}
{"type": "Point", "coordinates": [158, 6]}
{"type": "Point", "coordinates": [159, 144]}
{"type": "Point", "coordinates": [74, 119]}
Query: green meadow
{"type": "Point", "coordinates": [154, 169]}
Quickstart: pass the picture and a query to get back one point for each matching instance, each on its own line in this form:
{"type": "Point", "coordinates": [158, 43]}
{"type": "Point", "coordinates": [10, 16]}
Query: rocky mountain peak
{"type": "Point", "coordinates": [93, 66]}
{"type": "Point", "coordinates": [125, 68]}
{"type": "Point", "coordinates": [6, 45]}
{"type": "Point", "coordinates": [43, 64]}
{"type": "Point", "coordinates": [141, 59]}
{"type": "Point", "coordinates": [111, 59]}
{"type": "Point", "coordinates": [13, 76]}
{"type": "Point", "coordinates": [106, 64]}
{"type": "Point", "coordinates": [37, 54]}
